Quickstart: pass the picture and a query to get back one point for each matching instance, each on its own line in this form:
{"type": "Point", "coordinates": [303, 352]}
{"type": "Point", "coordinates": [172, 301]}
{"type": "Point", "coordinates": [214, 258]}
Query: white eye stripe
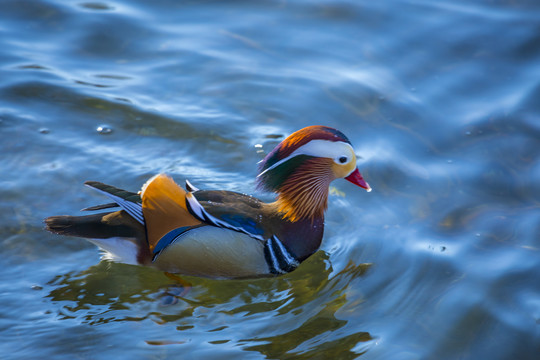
{"type": "Point", "coordinates": [319, 148]}
{"type": "Point", "coordinates": [324, 148]}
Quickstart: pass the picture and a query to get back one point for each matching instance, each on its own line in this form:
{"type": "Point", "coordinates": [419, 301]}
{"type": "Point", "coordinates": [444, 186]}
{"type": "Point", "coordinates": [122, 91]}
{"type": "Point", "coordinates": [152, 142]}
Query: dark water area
{"type": "Point", "coordinates": [441, 100]}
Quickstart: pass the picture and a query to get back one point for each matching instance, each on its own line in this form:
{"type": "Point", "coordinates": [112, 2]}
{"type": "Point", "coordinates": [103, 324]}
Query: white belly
{"type": "Point", "coordinates": [213, 252]}
{"type": "Point", "coordinates": [123, 250]}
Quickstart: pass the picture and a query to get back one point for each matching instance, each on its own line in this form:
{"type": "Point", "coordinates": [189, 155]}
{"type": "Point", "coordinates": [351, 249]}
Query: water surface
{"type": "Point", "coordinates": [440, 99]}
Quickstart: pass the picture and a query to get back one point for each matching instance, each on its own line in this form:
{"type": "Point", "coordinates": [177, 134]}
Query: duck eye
{"type": "Point", "coordinates": [342, 159]}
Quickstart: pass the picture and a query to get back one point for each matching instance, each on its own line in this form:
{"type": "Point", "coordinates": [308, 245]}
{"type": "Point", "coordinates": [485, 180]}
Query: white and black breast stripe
{"type": "Point", "coordinates": [199, 212]}
{"type": "Point", "coordinates": [278, 258]}
{"type": "Point", "coordinates": [133, 209]}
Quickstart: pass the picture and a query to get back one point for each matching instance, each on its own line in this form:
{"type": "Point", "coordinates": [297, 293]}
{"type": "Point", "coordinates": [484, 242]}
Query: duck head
{"type": "Point", "coordinates": [301, 168]}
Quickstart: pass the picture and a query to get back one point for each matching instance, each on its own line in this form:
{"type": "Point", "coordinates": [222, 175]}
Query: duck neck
{"type": "Point", "coordinates": [304, 194]}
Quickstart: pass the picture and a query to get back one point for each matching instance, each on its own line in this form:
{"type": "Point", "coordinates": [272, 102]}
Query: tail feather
{"type": "Point", "coordinates": [129, 201]}
{"type": "Point", "coordinates": [101, 207]}
{"type": "Point", "coordinates": [120, 237]}
{"type": "Point", "coordinates": [96, 226]}
{"type": "Point", "coordinates": [121, 193]}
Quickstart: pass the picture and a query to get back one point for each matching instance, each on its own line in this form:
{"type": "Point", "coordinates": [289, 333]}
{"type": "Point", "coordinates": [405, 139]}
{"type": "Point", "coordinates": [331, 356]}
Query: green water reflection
{"type": "Point", "coordinates": [307, 304]}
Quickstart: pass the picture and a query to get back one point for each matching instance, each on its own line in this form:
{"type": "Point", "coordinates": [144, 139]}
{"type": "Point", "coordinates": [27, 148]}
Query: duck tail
{"type": "Point", "coordinates": [96, 226]}
{"type": "Point", "coordinates": [120, 236]}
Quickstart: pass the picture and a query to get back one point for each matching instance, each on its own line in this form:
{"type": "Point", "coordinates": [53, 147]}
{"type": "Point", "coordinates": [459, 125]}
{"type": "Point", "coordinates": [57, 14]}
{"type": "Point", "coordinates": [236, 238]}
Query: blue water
{"type": "Point", "coordinates": [439, 98]}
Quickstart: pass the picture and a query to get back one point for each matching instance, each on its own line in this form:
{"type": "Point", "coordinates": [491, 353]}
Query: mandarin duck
{"type": "Point", "coordinates": [224, 234]}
